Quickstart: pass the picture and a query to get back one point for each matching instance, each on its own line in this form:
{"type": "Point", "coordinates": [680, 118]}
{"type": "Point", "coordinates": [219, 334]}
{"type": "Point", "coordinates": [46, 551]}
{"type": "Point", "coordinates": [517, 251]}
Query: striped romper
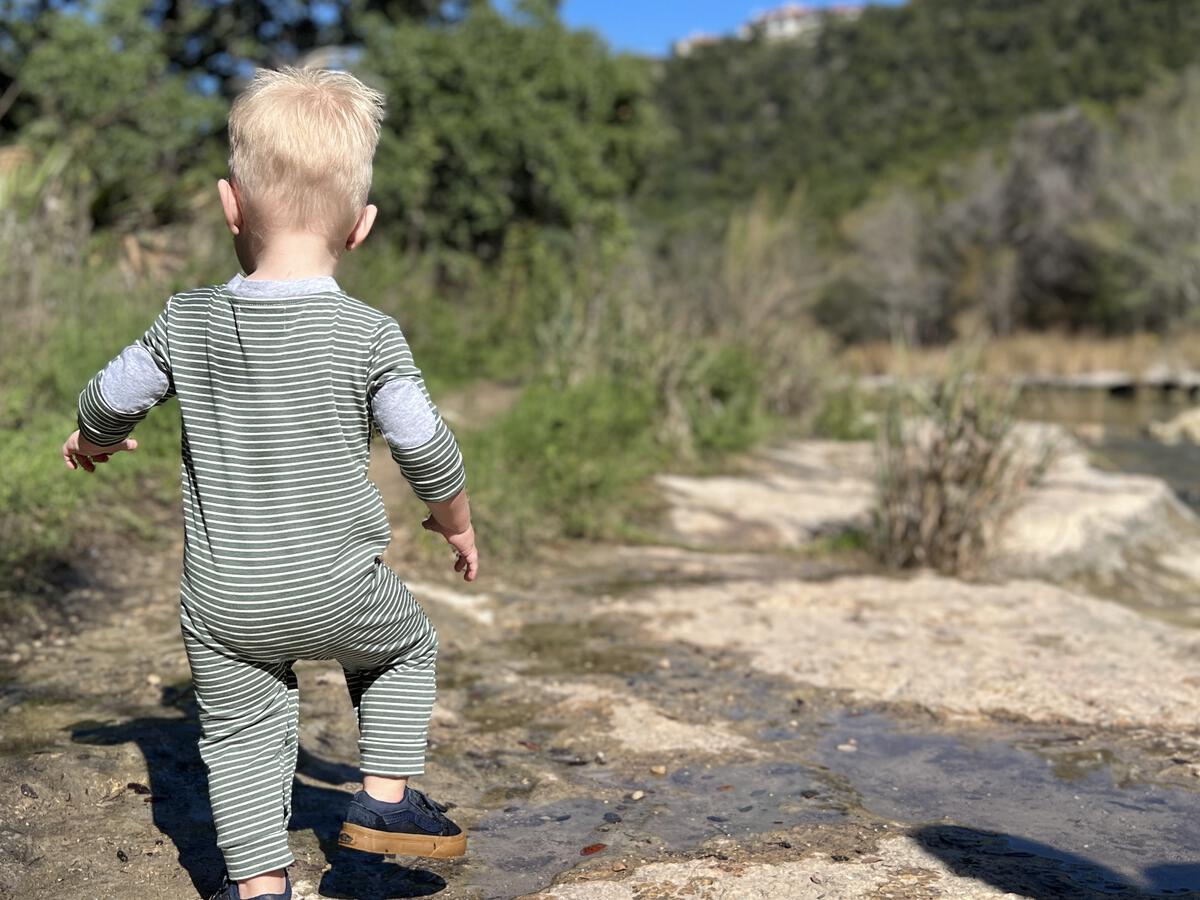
{"type": "Point", "coordinates": [279, 385]}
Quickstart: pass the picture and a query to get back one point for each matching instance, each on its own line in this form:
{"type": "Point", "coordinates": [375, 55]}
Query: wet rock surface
{"type": "Point", "coordinates": [652, 722]}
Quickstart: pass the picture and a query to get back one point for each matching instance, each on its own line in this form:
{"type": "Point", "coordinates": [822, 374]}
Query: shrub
{"type": "Point", "coordinates": [563, 461]}
{"type": "Point", "coordinates": [951, 469]}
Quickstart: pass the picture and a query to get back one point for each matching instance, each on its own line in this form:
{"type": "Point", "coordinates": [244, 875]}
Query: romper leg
{"type": "Point", "coordinates": [291, 744]}
{"type": "Point", "coordinates": [248, 718]}
{"type": "Point", "coordinates": [392, 685]}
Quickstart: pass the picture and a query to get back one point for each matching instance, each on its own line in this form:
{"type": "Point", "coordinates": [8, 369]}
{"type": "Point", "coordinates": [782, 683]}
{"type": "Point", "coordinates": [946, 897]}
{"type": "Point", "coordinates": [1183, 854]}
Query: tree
{"type": "Point", "coordinates": [101, 88]}
{"type": "Point", "coordinates": [496, 121]}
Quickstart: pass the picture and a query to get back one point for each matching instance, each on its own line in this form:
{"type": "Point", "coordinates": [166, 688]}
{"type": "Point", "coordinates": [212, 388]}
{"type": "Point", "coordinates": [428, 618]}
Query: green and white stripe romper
{"type": "Point", "coordinates": [279, 385]}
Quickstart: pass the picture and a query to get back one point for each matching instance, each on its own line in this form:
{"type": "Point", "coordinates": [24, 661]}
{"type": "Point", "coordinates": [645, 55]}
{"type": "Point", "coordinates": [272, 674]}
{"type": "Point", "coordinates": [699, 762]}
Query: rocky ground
{"type": "Point", "coordinates": [739, 712]}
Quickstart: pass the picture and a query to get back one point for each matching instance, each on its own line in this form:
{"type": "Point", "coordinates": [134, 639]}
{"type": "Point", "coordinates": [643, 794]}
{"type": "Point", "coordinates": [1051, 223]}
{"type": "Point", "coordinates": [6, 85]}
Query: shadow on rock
{"type": "Point", "coordinates": [360, 876]}
{"type": "Point", "coordinates": [1041, 872]}
{"type": "Point", "coordinates": [179, 794]}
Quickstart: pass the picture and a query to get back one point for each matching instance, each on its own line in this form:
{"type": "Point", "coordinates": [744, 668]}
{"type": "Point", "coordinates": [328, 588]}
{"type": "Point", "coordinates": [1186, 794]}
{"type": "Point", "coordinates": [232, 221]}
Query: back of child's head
{"type": "Point", "coordinates": [301, 143]}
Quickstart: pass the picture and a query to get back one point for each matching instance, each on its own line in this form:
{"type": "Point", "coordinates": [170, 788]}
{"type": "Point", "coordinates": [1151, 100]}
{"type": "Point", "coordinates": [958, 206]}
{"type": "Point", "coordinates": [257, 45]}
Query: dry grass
{"type": "Point", "coordinates": [1029, 354]}
{"type": "Point", "coordinates": [951, 470]}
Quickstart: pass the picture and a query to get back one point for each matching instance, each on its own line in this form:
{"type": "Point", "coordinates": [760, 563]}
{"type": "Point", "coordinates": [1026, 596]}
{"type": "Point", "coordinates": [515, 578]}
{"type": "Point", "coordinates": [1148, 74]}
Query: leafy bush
{"type": "Point", "coordinates": [563, 462]}
{"type": "Point", "coordinates": [842, 414]}
{"type": "Point", "coordinates": [726, 403]}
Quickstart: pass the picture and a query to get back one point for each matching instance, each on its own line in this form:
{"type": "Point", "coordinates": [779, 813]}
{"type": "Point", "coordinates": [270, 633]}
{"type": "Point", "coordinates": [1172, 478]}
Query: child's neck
{"type": "Point", "coordinates": [292, 256]}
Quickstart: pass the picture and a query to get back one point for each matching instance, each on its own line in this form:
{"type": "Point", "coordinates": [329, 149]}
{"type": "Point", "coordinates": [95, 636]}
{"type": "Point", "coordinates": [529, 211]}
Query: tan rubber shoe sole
{"type": "Point", "coordinates": [368, 840]}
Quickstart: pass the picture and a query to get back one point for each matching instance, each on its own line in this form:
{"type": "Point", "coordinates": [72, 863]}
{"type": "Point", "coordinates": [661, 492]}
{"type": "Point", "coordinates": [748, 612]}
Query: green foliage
{"type": "Point", "coordinates": [210, 41]}
{"type": "Point", "coordinates": [563, 462]}
{"type": "Point", "coordinates": [100, 88]}
{"type": "Point", "coordinates": [495, 121]}
{"type": "Point", "coordinates": [726, 403]}
{"type": "Point", "coordinates": [842, 415]}
{"type": "Point", "coordinates": [900, 89]}
{"type": "Point", "coordinates": [41, 501]}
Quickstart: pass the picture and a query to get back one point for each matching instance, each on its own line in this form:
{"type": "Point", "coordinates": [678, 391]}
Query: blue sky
{"type": "Point", "coordinates": [649, 26]}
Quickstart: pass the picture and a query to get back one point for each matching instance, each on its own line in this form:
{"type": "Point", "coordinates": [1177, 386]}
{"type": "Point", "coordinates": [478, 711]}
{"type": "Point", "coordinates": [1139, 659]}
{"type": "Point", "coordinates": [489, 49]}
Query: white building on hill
{"type": "Point", "coordinates": [686, 46]}
{"type": "Point", "coordinates": [795, 21]}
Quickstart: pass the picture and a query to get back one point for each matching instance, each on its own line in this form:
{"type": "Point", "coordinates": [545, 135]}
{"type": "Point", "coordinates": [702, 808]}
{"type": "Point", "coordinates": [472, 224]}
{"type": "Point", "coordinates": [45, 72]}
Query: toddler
{"type": "Point", "coordinates": [280, 378]}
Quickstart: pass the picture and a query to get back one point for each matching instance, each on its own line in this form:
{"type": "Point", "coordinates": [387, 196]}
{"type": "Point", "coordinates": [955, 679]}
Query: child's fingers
{"type": "Point", "coordinates": [468, 564]}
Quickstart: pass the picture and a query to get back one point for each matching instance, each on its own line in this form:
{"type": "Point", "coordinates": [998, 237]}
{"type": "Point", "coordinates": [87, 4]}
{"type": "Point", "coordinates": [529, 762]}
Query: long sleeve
{"type": "Point", "coordinates": [119, 396]}
{"type": "Point", "coordinates": [419, 440]}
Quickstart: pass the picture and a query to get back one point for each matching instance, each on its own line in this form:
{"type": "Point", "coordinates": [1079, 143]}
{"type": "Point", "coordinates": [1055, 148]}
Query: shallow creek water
{"type": "Point", "coordinates": [1062, 825]}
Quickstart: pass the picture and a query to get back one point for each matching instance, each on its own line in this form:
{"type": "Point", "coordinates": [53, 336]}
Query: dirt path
{"type": "Point", "coordinates": [657, 722]}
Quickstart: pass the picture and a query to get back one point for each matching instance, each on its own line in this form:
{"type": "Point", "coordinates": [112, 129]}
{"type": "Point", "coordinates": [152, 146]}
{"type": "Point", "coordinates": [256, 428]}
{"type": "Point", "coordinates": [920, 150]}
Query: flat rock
{"type": "Point", "coordinates": [799, 491]}
{"type": "Point", "coordinates": [476, 605]}
{"type": "Point", "coordinates": [900, 868]}
{"type": "Point", "coordinates": [1078, 519]}
{"type": "Point", "coordinates": [1023, 649]}
{"type": "Point", "coordinates": [1184, 428]}
{"type": "Point", "coordinates": [639, 726]}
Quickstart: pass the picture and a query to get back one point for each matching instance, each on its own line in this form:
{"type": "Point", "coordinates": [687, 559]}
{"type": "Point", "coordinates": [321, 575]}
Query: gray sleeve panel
{"type": "Point", "coordinates": [404, 415]}
{"type": "Point", "coordinates": [133, 383]}
{"type": "Point", "coordinates": [120, 395]}
{"type": "Point", "coordinates": [421, 444]}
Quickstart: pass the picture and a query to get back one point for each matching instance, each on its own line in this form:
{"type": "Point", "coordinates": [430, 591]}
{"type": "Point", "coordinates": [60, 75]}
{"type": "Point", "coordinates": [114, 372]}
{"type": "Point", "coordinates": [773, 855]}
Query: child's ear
{"type": "Point", "coordinates": [362, 227]}
{"type": "Point", "coordinates": [231, 206]}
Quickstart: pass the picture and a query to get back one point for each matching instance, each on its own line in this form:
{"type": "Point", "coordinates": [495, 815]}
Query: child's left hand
{"type": "Point", "coordinates": [79, 452]}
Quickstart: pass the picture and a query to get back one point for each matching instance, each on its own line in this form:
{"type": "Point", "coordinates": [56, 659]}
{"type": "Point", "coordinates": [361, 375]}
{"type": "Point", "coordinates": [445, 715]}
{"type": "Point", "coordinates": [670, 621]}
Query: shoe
{"type": "Point", "coordinates": [229, 891]}
{"type": "Point", "coordinates": [416, 826]}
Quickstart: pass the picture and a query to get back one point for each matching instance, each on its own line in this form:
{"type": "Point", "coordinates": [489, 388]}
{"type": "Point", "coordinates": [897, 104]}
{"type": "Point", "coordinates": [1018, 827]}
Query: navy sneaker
{"type": "Point", "coordinates": [416, 826]}
{"type": "Point", "coordinates": [229, 891]}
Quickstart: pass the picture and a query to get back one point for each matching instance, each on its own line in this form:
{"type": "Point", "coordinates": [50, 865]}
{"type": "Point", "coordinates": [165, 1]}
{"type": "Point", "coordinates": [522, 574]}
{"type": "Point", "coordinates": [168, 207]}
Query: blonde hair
{"type": "Point", "coordinates": [300, 148]}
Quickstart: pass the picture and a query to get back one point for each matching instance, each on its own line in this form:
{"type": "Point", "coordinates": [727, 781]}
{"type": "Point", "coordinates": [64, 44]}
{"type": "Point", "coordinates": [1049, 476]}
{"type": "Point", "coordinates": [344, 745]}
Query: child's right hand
{"type": "Point", "coordinates": [463, 543]}
{"type": "Point", "coordinates": [80, 453]}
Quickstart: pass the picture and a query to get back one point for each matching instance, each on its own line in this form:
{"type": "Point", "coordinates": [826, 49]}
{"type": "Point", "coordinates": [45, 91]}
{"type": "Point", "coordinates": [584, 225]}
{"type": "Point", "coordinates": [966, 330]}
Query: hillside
{"type": "Point", "coordinates": [897, 90]}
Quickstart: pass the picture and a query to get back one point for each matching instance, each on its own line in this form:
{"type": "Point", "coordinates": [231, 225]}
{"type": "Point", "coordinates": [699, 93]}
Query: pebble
{"type": "Point", "coordinates": [153, 680]}
{"type": "Point", "coordinates": [847, 748]}
{"type": "Point", "coordinates": [637, 795]}
{"type": "Point", "coordinates": [658, 770]}
{"type": "Point", "coordinates": [619, 867]}
{"type": "Point", "coordinates": [612, 818]}
{"type": "Point", "coordinates": [664, 663]}
{"type": "Point", "coordinates": [28, 791]}
{"type": "Point", "coordinates": [816, 878]}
